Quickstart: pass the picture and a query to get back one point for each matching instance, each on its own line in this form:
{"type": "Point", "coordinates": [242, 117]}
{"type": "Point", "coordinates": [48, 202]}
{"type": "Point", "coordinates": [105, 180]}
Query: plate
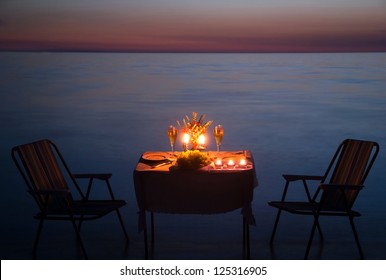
{"type": "Point", "coordinates": [155, 157]}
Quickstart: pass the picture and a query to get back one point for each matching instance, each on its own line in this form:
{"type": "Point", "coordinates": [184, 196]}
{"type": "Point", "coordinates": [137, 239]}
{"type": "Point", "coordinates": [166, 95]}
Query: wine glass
{"type": "Point", "coordinates": [218, 133]}
{"type": "Point", "coordinates": [172, 134]}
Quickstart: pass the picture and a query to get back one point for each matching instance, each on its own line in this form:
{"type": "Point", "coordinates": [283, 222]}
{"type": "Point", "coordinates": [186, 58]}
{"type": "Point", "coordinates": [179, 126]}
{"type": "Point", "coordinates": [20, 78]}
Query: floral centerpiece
{"type": "Point", "coordinates": [193, 159]}
{"type": "Point", "coordinates": [195, 127]}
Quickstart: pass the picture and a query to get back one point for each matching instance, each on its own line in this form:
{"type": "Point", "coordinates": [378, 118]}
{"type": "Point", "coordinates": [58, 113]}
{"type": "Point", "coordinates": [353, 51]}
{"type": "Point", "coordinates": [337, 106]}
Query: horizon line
{"type": "Point", "coordinates": [181, 51]}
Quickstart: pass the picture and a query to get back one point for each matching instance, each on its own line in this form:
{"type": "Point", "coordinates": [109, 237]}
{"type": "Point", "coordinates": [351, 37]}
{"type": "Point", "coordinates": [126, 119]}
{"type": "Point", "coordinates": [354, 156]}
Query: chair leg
{"type": "Point", "coordinates": [40, 226]}
{"type": "Point", "coordinates": [79, 238]}
{"type": "Point", "coordinates": [122, 224]}
{"type": "Point", "coordinates": [320, 231]}
{"type": "Point", "coordinates": [356, 237]}
{"type": "Point", "coordinates": [275, 226]}
{"type": "Point", "coordinates": [279, 212]}
{"type": "Point", "coordinates": [113, 198]}
{"type": "Point", "coordinates": [314, 226]}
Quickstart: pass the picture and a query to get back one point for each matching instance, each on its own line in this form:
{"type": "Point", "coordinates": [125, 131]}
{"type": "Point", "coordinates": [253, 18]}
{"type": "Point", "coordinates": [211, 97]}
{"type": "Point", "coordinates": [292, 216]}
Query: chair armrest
{"type": "Point", "coordinates": [332, 187]}
{"type": "Point", "coordinates": [290, 177]}
{"type": "Point", "coordinates": [59, 192]}
{"type": "Point", "coordinates": [101, 176]}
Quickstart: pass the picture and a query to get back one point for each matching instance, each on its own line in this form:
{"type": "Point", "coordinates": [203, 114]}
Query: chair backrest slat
{"type": "Point", "coordinates": [352, 166]}
{"type": "Point", "coordinates": [42, 166]}
{"type": "Point", "coordinates": [352, 163]}
{"type": "Point", "coordinates": [41, 169]}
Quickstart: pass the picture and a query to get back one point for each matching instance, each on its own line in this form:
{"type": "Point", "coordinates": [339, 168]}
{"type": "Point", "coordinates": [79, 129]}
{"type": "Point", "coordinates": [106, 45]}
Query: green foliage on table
{"type": "Point", "coordinates": [193, 159]}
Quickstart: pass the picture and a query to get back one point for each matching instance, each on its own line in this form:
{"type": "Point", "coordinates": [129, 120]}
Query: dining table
{"type": "Point", "coordinates": [224, 185]}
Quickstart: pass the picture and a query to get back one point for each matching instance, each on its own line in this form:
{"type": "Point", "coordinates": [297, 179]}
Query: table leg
{"type": "Point", "coordinates": [152, 230]}
{"type": "Point", "coordinates": [151, 236]}
{"type": "Point", "coordinates": [246, 243]}
{"type": "Point", "coordinates": [145, 241]}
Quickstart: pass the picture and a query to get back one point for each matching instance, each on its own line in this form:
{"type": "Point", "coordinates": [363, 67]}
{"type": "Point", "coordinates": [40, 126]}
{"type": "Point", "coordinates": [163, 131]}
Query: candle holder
{"type": "Point", "coordinates": [231, 163]}
{"type": "Point", "coordinates": [218, 163]}
{"type": "Point", "coordinates": [243, 163]}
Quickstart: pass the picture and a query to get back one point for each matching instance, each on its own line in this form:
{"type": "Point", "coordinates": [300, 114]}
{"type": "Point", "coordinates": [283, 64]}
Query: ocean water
{"type": "Point", "coordinates": [104, 109]}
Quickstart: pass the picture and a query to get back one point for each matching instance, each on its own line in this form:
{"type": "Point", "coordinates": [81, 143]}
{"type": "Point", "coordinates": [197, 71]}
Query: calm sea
{"type": "Point", "coordinates": [104, 109]}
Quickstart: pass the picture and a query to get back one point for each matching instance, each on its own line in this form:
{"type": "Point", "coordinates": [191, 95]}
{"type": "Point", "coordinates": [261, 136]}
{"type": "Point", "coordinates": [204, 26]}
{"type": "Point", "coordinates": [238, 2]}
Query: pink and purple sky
{"type": "Point", "coordinates": [194, 26]}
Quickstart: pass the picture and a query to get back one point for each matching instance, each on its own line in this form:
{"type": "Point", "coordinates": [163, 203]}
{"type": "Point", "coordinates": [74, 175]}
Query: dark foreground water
{"type": "Point", "coordinates": [104, 110]}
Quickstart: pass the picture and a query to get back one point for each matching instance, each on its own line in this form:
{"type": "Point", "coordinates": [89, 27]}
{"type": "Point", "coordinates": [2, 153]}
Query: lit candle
{"type": "Point", "coordinates": [231, 163]}
{"type": "Point", "coordinates": [201, 139]}
{"type": "Point", "coordinates": [243, 162]}
{"type": "Point", "coordinates": [186, 138]}
{"type": "Point", "coordinates": [218, 162]}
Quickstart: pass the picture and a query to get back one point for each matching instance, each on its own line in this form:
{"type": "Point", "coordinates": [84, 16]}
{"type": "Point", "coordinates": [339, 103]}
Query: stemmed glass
{"type": "Point", "coordinates": [172, 134]}
{"type": "Point", "coordinates": [218, 134]}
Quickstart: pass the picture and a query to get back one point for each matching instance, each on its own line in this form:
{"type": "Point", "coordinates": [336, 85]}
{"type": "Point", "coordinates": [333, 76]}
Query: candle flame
{"type": "Point", "coordinates": [186, 138]}
{"type": "Point", "coordinates": [201, 139]}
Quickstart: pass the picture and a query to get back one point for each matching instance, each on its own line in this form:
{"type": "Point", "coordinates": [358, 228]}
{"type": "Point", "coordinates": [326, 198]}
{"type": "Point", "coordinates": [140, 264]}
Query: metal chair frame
{"type": "Point", "coordinates": [323, 207]}
{"type": "Point", "coordinates": [72, 210]}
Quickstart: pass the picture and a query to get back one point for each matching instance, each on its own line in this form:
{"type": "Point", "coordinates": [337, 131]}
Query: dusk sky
{"type": "Point", "coordinates": [194, 26]}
